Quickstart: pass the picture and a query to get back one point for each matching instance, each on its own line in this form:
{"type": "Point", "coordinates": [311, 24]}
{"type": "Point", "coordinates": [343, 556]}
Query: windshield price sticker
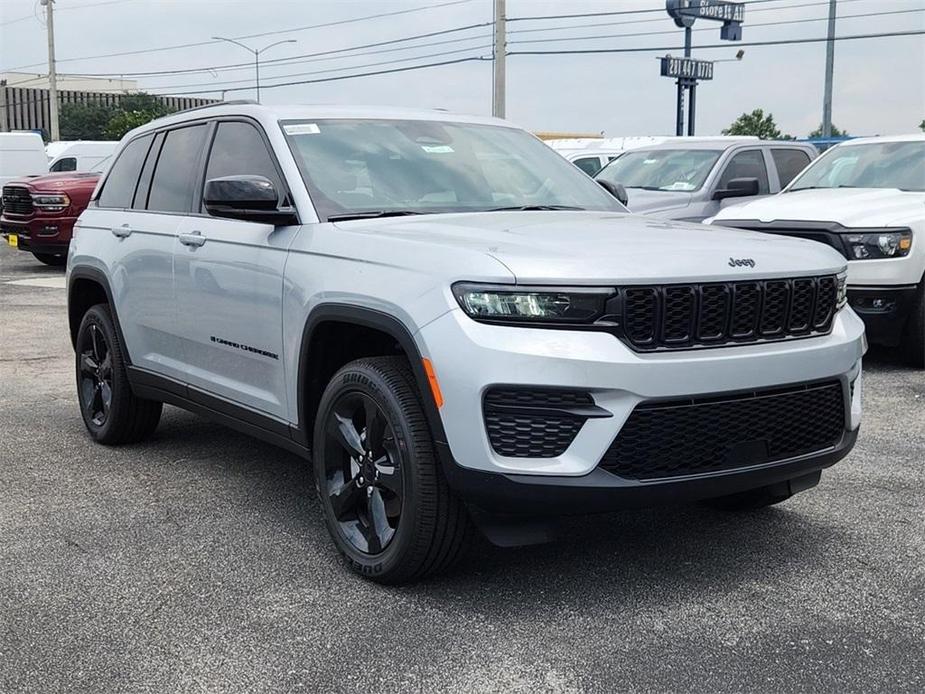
{"type": "Point", "coordinates": [302, 129]}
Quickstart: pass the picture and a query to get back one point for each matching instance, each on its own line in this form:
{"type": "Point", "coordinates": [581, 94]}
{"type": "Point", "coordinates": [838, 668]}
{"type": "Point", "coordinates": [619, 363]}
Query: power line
{"type": "Point", "coordinates": [670, 31]}
{"type": "Point", "coordinates": [782, 42]}
{"type": "Point", "coordinates": [289, 30]}
{"type": "Point", "coordinates": [65, 8]}
{"type": "Point", "coordinates": [609, 14]}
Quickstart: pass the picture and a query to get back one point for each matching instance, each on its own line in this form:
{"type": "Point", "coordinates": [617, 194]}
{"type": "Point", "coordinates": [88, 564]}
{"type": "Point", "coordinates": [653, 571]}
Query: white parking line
{"type": "Point", "coordinates": [44, 282]}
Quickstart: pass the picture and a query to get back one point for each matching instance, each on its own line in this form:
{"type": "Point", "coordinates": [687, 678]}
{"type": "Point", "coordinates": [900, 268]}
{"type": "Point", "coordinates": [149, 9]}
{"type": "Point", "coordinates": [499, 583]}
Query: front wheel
{"type": "Point", "coordinates": [386, 503]}
{"type": "Point", "coordinates": [51, 259]}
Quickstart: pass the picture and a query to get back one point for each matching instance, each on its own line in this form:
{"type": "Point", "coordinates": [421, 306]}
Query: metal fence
{"type": "Point", "coordinates": [28, 109]}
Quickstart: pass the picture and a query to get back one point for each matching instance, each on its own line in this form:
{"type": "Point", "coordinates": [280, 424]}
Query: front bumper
{"type": "Point", "coordinates": [50, 235]}
{"type": "Point", "coordinates": [884, 310]}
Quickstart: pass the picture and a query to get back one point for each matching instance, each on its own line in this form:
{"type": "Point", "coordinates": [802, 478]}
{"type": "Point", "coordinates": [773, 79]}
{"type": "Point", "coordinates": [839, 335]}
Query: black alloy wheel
{"type": "Point", "coordinates": [363, 472]}
{"type": "Point", "coordinates": [95, 385]}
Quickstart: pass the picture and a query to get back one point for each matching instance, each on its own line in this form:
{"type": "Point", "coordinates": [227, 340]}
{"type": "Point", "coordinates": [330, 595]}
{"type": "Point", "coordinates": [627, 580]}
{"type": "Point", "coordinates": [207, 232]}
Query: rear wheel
{"type": "Point", "coordinates": [111, 412]}
{"type": "Point", "coordinates": [386, 504]}
{"type": "Point", "coordinates": [51, 259]}
{"type": "Point", "coordinates": [914, 338]}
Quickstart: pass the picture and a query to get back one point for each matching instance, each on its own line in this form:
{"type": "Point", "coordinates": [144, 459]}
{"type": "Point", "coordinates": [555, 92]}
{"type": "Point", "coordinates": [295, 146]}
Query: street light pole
{"type": "Point", "coordinates": [256, 52]}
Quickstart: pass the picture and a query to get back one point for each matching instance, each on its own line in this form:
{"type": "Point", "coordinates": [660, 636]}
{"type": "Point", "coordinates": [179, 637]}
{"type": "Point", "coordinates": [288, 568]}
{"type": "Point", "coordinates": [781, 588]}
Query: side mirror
{"type": "Point", "coordinates": [738, 188]}
{"type": "Point", "coordinates": [615, 189]}
{"type": "Point", "coordinates": [249, 198]}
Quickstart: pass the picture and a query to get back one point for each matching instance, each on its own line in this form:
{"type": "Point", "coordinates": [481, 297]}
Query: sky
{"type": "Point", "coordinates": [879, 85]}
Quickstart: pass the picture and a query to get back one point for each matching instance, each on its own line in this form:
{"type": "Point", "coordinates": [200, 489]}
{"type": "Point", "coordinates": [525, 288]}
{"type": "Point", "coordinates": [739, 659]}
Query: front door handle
{"type": "Point", "coordinates": [122, 231]}
{"type": "Point", "coordinates": [194, 239]}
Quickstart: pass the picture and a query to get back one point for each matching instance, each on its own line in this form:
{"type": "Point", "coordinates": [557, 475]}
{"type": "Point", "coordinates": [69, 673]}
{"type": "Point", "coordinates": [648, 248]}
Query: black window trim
{"type": "Point", "coordinates": [200, 182]}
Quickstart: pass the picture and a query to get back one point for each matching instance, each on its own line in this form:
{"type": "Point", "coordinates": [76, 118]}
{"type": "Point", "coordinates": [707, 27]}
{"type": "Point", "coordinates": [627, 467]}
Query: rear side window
{"type": "Point", "coordinates": [789, 162]}
{"type": "Point", "coordinates": [123, 176]}
{"type": "Point", "coordinates": [177, 170]}
{"type": "Point", "coordinates": [590, 165]}
{"type": "Point", "coordinates": [238, 149]}
{"type": "Point", "coordinates": [66, 164]}
{"type": "Point", "coordinates": [747, 164]}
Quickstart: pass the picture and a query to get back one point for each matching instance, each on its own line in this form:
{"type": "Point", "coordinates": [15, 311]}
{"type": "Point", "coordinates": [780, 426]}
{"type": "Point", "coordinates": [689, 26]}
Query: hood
{"type": "Point", "coordinates": [641, 201]}
{"type": "Point", "coordinates": [593, 247]}
{"type": "Point", "coordinates": [850, 207]}
{"type": "Point", "coordinates": [65, 181]}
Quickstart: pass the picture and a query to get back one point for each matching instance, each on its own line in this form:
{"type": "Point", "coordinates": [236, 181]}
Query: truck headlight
{"type": "Point", "coordinates": [841, 296]}
{"type": "Point", "coordinates": [513, 304]}
{"type": "Point", "coordinates": [51, 202]}
{"type": "Point", "coordinates": [877, 245]}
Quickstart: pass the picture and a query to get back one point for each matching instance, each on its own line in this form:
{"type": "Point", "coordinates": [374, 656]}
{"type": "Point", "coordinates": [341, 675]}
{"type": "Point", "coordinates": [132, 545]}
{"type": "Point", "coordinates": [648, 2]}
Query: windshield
{"type": "Point", "coordinates": [382, 167]}
{"type": "Point", "coordinates": [877, 165]}
{"type": "Point", "coordinates": [661, 169]}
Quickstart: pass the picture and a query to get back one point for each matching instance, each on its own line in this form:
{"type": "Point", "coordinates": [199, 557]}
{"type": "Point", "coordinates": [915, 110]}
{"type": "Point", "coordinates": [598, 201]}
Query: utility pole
{"type": "Point", "coordinates": [52, 76]}
{"type": "Point", "coordinates": [499, 54]}
{"type": "Point", "coordinates": [829, 72]}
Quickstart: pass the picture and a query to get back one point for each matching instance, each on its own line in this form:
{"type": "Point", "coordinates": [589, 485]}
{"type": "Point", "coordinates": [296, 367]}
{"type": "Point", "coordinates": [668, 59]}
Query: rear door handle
{"type": "Point", "coordinates": [194, 239]}
{"type": "Point", "coordinates": [122, 231]}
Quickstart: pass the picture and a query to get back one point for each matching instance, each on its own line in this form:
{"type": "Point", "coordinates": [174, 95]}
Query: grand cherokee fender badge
{"type": "Point", "coordinates": [246, 348]}
{"type": "Point", "coordinates": [741, 262]}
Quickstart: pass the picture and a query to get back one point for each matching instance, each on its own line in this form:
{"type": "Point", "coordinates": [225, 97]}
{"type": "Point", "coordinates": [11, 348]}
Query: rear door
{"type": "Point", "coordinates": [788, 162]}
{"type": "Point", "coordinates": [229, 283]}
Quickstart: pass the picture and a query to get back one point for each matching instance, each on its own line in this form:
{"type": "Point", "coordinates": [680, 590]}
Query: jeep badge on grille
{"type": "Point", "coordinates": [741, 262]}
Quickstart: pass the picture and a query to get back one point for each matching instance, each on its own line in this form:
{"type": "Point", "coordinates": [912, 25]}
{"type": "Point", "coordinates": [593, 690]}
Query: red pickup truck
{"type": "Point", "coordinates": [38, 212]}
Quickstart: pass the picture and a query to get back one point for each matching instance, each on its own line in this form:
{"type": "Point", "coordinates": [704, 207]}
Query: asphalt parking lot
{"type": "Point", "coordinates": [198, 561]}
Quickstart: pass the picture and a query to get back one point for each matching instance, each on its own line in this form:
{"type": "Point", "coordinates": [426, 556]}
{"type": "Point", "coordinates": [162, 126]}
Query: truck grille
{"type": "Point", "coordinates": [713, 434]}
{"type": "Point", "coordinates": [17, 200]}
{"type": "Point", "coordinates": [692, 315]}
{"type": "Point", "coordinates": [534, 423]}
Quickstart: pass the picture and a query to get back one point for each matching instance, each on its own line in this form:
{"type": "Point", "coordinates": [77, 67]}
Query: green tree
{"type": "Point", "coordinates": [835, 132]}
{"type": "Point", "coordinates": [756, 123]}
{"type": "Point", "coordinates": [85, 121]}
{"type": "Point", "coordinates": [135, 110]}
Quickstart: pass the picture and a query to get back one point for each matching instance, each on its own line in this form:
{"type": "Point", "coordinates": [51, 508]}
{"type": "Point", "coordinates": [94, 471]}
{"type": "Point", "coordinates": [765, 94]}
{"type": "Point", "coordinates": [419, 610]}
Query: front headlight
{"type": "Point", "coordinates": [513, 304]}
{"type": "Point", "coordinates": [876, 245]}
{"type": "Point", "coordinates": [841, 297]}
{"type": "Point", "coordinates": [51, 202]}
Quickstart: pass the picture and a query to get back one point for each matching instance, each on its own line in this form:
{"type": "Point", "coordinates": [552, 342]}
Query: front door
{"type": "Point", "coordinates": [229, 285]}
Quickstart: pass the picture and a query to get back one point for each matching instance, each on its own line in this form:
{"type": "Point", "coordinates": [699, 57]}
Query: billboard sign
{"type": "Point", "coordinates": [687, 68]}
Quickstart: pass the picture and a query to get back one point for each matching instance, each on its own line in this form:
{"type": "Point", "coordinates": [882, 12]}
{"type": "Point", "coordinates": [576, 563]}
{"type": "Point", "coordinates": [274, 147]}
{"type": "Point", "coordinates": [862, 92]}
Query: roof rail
{"type": "Point", "coordinates": [233, 102]}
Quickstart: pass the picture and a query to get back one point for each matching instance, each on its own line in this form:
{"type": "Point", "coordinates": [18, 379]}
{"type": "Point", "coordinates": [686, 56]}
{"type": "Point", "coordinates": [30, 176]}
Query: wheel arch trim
{"type": "Point", "coordinates": [98, 277]}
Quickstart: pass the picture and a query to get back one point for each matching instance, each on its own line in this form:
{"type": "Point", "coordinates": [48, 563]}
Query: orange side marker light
{"type": "Point", "coordinates": [432, 379]}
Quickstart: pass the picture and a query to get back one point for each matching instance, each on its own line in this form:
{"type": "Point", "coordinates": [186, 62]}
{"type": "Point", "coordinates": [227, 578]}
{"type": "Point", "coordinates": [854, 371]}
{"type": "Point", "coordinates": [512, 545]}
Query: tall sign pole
{"type": "Point", "coordinates": [687, 70]}
{"type": "Point", "coordinates": [499, 54]}
{"type": "Point", "coordinates": [829, 72]}
{"type": "Point", "coordinates": [52, 73]}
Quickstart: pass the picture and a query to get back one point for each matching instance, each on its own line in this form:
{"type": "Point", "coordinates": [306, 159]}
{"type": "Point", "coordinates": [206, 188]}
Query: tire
{"type": "Point", "coordinates": [396, 520]}
{"type": "Point", "coordinates": [51, 259]}
{"type": "Point", "coordinates": [762, 497]}
{"type": "Point", "coordinates": [914, 338]}
{"type": "Point", "coordinates": [111, 412]}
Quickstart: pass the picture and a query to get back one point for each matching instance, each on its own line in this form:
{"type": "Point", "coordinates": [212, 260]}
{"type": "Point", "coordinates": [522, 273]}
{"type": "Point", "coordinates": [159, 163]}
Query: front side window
{"type": "Point", "coordinates": [662, 169]}
{"type": "Point", "coordinates": [590, 165]}
{"type": "Point", "coordinates": [747, 164]}
{"type": "Point", "coordinates": [898, 165]}
{"type": "Point", "coordinates": [238, 149]}
{"type": "Point", "coordinates": [119, 187]}
{"type": "Point", "coordinates": [789, 162]}
{"type": "Point", "coordinates": [177, 169]}
{"type": "Point", "coordinates": [353, 166]}
{"type": "Point", "coordinates": [66, 164]}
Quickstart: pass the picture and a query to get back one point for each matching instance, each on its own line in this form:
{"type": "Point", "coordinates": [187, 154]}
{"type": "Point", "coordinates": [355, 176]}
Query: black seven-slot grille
{"type": "Point", "coordinates": [17, 200]}
{"type": "Point", "coordinates": [535, 422]}
{"type": "Point", "coordinates": [701, 435]}
{"type": "Point", "coordinates": [682, 316]}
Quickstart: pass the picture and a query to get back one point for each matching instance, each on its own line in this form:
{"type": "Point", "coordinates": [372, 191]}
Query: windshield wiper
{"type": "Point", "coordinates": [531, 208]}
{"type": "Point", "coordinates": [794, 190]}
{"type": "Point", "coordinates": [646, 188]}
{"type": "Point", "coordinates": [370, 214]}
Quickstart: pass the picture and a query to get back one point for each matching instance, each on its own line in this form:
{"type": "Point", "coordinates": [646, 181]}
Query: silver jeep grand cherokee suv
{"type": "Point", "coordinates": [455, 325]}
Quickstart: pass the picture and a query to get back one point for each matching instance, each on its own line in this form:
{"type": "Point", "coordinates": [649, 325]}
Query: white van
{"type": "Point", "coordinates": [21, 154]}
{"type": "Point", "coordinates": [82, 155]}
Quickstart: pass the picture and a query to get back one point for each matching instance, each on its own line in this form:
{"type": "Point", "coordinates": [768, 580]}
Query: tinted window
{"type": "Point", "coordinates": [239, 149]}
{"type": "Point", "coordinates": [590, 165]}
{"type": "Point", "coordinates": [123, 176]}
{"type": "Point", "coordinates": [140, 201]}
{"type": "Point", "coordinates": [177, 170]}
{"type": "Point", "coordinates": [66, 164]}
{"type": "Point", "coordinates": [789, 162]}
{"type": "Point", "coordinates": [747, 164]}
